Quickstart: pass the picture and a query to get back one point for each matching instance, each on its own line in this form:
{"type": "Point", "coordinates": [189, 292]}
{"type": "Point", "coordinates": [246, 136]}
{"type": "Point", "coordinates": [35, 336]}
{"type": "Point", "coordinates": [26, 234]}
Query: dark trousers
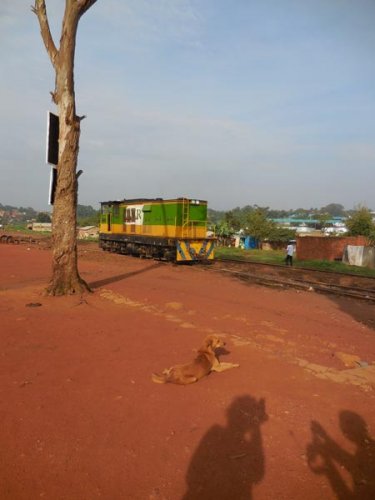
{"type": "Point", "coordinates": [289, 260]}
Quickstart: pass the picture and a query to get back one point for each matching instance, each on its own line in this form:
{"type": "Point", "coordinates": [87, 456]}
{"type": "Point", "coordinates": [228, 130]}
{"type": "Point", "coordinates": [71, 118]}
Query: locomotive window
{"type": "Point", "coordinates": [116, 210]}
{"type": "Point", "coordinates": [130, 215]}
{"type": "Point", "coordinates": [146, 208]}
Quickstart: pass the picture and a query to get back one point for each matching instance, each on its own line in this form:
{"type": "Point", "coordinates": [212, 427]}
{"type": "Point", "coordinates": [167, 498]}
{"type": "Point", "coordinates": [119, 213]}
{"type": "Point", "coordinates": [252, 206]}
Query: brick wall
{"type": "Point", "coordinates": [325, 248]}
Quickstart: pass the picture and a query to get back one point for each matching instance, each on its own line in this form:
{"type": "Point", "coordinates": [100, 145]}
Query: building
{"type": "Point", "coordinates": [45, 227]}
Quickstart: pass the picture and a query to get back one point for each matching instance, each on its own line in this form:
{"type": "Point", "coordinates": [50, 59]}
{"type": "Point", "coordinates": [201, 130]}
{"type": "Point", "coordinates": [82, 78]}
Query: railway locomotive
{"type": "Point", "coordinates": [173, 230]}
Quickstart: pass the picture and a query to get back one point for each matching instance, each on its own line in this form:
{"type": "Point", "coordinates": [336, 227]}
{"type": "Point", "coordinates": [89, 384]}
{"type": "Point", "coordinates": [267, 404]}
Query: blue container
{"type": "Point", "coordinates": [250, 243]}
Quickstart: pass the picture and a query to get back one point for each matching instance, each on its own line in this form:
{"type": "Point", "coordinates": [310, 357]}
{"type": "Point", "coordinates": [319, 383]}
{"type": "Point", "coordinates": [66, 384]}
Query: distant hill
{"type": "Point", "coordinates": [10, 214]}
{"type": "Point", "coordinates": [86, 215]}
{"type": "Point", "coordinates": [86, 211]}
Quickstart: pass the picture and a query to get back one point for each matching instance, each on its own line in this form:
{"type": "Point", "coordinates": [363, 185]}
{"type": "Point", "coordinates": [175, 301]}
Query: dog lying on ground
{"type": "Point", "coordinates": [205, 363]}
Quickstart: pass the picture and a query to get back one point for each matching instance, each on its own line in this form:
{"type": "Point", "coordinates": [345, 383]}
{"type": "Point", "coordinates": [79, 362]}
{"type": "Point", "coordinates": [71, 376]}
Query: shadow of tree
{"type": "Point", "coordinates": [327, 457]}
{"type": "Point", "coordinates": [229, 460]}
{"type": "Point", "coordinates": [120, 277]}
{"type": "Point", "coordinates": [360, 310]}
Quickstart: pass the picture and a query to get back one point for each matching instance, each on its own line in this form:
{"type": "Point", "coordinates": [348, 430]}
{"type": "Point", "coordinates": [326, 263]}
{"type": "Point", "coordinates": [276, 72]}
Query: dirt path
{"type": "Point", "coordinates": [81, 418]}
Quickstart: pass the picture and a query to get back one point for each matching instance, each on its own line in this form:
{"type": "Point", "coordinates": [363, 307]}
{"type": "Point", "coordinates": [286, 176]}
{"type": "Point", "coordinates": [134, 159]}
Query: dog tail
{"type": "Point", "coordinates": [159, 378]}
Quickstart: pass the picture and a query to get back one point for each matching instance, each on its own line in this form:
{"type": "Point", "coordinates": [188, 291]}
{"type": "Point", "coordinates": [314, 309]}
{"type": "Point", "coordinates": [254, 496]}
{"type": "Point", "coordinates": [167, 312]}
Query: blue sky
{"type": "Point", "coordinates": [268, 102]}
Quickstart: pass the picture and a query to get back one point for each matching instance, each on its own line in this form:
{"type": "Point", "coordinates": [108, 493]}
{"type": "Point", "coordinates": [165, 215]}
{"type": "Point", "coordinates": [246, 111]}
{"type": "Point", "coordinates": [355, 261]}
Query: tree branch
{"type": "Point", "coordinates": [84, 5]}
{"type": "Point", "coordinates": [41, 12]}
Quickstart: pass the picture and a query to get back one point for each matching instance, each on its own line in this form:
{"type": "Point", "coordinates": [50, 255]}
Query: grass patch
{"type": "Point", "coordinates": [16, 228]}
{"type": "Point", "coordinates": [267, 256]}
{"type": "Point", "coordinates": [278, 257]}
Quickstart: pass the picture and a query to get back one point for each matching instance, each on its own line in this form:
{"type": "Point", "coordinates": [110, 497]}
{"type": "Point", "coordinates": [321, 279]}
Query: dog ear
{"type": "Point", "coordinates": [208, 341]}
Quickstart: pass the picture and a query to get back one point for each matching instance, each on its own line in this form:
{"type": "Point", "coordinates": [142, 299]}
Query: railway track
{"type": "Point", "coordinates": [278, 276]}
{"type": "Point", "coordinates": [13, 239]}
{"type": "Point", "coordinates": [273, 275]}
{"type": "Point", "coordinates": [9, 239]}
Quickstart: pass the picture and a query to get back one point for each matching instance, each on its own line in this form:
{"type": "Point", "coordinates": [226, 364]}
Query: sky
{"type": "Point", "coordinates": [237, 102]}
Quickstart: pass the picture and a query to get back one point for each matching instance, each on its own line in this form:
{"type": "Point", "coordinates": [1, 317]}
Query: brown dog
{"type": "Point", "coordinates": [205, 362]}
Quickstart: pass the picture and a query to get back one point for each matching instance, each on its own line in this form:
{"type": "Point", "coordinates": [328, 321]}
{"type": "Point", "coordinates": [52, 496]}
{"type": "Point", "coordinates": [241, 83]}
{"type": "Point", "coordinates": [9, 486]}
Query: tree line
{"type": "Point", "coordinates": [259, 222]}
{"type": "Point", "coordinates": [332, 209]}
{"type": "Point", "coordinates": [252, 220]}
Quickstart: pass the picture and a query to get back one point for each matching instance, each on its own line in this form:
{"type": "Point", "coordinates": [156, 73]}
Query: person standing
{"type": "Point", "coordinates": [289, 254]}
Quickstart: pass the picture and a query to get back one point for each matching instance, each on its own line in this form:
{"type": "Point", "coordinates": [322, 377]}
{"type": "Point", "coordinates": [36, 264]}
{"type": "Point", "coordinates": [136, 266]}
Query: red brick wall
{"type": "Point", "coordinates": [325, 248]}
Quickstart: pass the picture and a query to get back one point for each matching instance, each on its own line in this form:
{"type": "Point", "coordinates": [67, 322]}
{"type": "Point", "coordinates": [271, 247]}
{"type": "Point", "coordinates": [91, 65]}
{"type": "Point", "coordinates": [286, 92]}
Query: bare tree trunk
{"type": "Point", "coordinates": [65, 275]}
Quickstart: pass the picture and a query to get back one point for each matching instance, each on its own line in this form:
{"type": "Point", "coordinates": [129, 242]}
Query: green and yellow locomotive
{"type": "Point", "coordinates": [174, 230]}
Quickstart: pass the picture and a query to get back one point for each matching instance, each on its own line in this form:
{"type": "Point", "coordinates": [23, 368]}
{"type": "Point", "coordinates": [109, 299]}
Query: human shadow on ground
{"type": "Point", "coordinates": [230, 460]}
{"type": "Point", "coordinates": [120, 277]}
{"type": "Point", "coordinates": [326, 457]}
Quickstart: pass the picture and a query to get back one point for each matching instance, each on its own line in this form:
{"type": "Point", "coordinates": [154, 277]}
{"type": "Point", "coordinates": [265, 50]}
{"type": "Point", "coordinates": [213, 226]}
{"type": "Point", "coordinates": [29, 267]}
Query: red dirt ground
{"type": "Point", "coordinates": [81, 418]}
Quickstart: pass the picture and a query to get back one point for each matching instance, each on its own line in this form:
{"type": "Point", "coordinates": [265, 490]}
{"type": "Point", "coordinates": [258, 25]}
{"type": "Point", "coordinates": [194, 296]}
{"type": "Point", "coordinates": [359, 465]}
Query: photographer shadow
{"type": "Point", "coordinates": [230, 460]}
{"type": "Point", "coordinates": [327, 457]}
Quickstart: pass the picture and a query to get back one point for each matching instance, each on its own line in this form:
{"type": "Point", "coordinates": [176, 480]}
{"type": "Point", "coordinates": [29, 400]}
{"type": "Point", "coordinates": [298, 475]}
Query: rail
{"type": "Point", "coordinates": [307, 279]}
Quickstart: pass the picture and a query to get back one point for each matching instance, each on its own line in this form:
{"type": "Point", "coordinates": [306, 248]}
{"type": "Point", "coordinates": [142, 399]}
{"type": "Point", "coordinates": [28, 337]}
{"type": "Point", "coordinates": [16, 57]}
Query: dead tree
{"type": "Point", "coordinates": [65, 276]}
